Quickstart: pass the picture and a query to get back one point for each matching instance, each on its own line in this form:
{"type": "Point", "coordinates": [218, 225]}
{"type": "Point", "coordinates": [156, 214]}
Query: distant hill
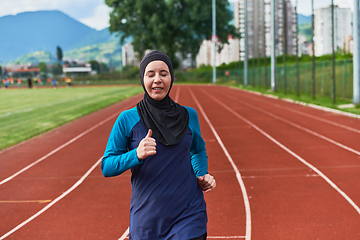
{"type": "Point", "coordinates": [304, 23]}
{"type": "Point", "coordinates": [108, 52]}
{"type": "Point", "coordinates": [302, 19]}
{"type": "Point", "coordinates": [30, 32]}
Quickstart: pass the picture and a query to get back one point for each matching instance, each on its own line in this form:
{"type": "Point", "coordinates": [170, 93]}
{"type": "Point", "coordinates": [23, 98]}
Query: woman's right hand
{"type": "Point", "coordinates": [147, 146]}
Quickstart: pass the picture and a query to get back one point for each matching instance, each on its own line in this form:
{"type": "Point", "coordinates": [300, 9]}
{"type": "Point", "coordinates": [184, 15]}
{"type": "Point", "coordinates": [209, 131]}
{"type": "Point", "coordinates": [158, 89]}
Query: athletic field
{"type": "Point", "coordinates": [283, 171]}
{"type": "Point", "coordinates": [25, 113]}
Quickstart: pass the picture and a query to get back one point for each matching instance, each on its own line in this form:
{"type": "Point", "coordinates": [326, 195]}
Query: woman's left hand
{"type": "Point", "coordinates": [206, 182]}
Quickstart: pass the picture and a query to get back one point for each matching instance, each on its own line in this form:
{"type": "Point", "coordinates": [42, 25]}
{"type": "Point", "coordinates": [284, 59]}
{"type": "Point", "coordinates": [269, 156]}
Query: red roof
{"type": "Point", "coordinates": [23, 69]}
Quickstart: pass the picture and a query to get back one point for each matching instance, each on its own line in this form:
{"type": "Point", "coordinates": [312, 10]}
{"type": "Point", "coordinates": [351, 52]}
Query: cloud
{"type": "Point", "coordinates": [100, 19]}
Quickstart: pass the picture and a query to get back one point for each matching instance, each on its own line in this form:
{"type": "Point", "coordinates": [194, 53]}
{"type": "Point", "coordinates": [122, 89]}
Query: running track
{"type": "Point", "coordinates": [283, 171]}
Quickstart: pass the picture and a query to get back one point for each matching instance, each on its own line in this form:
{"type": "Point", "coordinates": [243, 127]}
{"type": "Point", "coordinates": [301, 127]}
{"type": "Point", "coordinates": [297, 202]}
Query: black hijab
{"type": "Point", "coordinates": [167, 119]}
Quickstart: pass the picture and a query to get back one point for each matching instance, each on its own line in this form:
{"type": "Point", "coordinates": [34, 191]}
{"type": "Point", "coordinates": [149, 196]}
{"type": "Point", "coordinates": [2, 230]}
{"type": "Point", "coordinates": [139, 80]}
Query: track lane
{"type": "Point", "coordinates": [224, 219]}
{"type": "Point", "coordinates": [58, 172]}
{"type": "Point", "coordinates": [323, 154]}
{"type": "Point", "coordinates": [278, 130]}
{"type": "Point", "coordinates": [330, 125]}
{"type": "Point", "coordinates": [287, 199]}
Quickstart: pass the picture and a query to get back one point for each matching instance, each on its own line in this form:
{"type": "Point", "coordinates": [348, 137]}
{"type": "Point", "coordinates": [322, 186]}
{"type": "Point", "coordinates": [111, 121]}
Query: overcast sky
{"type": "Point", "coordinates": [95, 13]}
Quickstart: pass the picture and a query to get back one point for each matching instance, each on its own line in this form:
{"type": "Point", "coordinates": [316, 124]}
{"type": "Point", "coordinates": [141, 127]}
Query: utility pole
{"type": "Point", "coordinates": [246, 57]}
{"type": "Point", "coordinates": [284, 38]}
{"type": "Point", "coordinates": [297, 54]}
{"type": "Point", "coordinates": [259, 37]}
{"type": "Point", "coordinates": [313, 50]}
{"type": "Point", "coordinates": [356, 56]}
{"type": "Point", "coordinates": [214, 37]}
{"type": "Point", "coordinates": [253, 70]}
{"type": "Point", "coordinates": [273, 47]}
{"type": "Point", "coordinates": [264, 50]}
{"type": "Point", "coordinates": [333, 52]}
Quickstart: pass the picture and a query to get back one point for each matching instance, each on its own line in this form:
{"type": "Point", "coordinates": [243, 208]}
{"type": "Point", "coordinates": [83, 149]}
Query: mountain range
{"type": "Point", "coordinates": [29, 32]}
{"type": "Point", "coordinates": [302, 19]}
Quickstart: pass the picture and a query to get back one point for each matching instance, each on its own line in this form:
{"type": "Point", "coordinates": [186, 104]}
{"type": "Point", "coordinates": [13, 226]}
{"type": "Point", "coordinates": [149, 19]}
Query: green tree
{"type": "Point", "coordinates": [56, 69]}
{"type": "Point", "coordinates": [95, 65]}
{"type": "Point", "coordinates": [59, 54]}
{"type": "Point", "coordinates": [43, 67]}
{"type": "Point", "coordinates": [171, 26]}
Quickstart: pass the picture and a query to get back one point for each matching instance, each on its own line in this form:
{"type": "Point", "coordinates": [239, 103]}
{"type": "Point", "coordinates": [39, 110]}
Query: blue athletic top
{"type": "Point", "coordinates": [166, 201]}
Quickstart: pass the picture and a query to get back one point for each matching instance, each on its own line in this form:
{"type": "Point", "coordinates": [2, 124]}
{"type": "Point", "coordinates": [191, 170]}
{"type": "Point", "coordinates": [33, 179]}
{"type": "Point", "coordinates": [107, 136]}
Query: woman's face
{"type": "Point", "coordinates": [157, 79]}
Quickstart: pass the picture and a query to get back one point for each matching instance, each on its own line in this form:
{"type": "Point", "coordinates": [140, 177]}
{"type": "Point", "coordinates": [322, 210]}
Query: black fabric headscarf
{"type": "Point", "coordinates": [167, 119]}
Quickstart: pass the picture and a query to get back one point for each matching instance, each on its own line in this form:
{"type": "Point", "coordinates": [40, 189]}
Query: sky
{"type": "Point", "coordinates": [95, 13]}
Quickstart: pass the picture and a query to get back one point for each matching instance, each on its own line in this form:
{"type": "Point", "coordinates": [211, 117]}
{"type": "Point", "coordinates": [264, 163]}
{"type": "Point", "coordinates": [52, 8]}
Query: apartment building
{"type": "Point", "coordinates": [258, 32]}
{"type": "Point", "coordinates": [323, 29]}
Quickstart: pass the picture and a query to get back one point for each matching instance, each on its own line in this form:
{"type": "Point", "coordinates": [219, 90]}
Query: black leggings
{"type": "Point", "coordinates": [203, 237]}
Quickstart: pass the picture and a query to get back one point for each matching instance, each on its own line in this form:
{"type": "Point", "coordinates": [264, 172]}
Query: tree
{"type": "Point", "coordinates": [59, 54]}
{"type": "Point", "coordinates": [171, 26]}
{"type": "Point", "coordinates": [56, 69]}
{"type": "Point", "coordinates": [95, 65]}
{"type": "Point", "coordinates": [43, 67]}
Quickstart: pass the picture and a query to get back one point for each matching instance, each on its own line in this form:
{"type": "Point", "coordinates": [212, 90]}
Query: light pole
{"type": "Point", "coordinates": [297, 54]}
{"type": "Point", "coordinates": [356, 56]}
{"type": "Point", "coordinates": [284, 38]}
{"type": "Point", "coordinates": [273, 47]}
{"type": "Point", "coordinates": [214, 37]}
{"type": "Point", "coordinates": [333, 52]}
{"type": "Point", "coordinates": [313, 51]}
{"type": "Point", "coordinates": [246, 57]}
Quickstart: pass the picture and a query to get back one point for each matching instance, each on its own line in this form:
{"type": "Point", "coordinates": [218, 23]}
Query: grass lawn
{"type": "Point", "coordinates": [25, 113]}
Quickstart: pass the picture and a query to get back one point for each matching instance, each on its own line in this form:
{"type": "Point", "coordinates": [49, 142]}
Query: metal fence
{"type": "Point", "coordinates": [259, 77]}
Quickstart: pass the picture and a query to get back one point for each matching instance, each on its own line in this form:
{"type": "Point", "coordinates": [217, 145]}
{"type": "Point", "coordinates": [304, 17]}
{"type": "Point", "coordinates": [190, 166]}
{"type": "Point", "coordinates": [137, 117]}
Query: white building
{"type": "Point", "coordinates": [228, 54]}
{"type": "Point", "coordinates": [323, 26]}
{"type": "Point", "coordinates": [255, 27]}
{"type": "Point", "coordinates": [77, 68]}
{"type": "Point", "coordinates": [128, 55]}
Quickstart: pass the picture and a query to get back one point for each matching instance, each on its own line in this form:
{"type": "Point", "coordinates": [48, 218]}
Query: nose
{"type": "Point", "coordinates": [157, 78]}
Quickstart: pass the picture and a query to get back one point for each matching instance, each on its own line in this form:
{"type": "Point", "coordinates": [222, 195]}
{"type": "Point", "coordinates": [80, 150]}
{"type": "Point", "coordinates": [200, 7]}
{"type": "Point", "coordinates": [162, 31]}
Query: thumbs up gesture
{"type": "Point", "coordinates": [147, 146]}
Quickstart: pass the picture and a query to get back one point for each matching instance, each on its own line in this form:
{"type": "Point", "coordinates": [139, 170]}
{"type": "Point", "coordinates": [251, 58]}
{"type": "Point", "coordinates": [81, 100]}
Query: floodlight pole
{"type": "Point", "coordinates": [214, 38]}
{"type": "Point", "coordinates": [356, 56]}
{"type": "Point", "coordinates": [284, 39]}
{"type": "Point", "coordinates": [313, 51]}
{"type": "Point", "coordinates": [297, 53]}
{"type": "Point", "coordinates": [273, 47]}
{"type": "Point", "coordinates": [246, 51]}
{"type": "Point", "coordinates": [333, 52]}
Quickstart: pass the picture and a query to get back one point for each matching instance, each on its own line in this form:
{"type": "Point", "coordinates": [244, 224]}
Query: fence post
{"type": "Point", "coordinates": [356, 58]}
{"type": "Point", "coordinates": [345, 76]}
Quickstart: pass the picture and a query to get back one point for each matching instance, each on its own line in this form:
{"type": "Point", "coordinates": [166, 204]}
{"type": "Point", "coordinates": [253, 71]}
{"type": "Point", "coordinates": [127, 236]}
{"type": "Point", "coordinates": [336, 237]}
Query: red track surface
{"type": "Point", "coordinates": [299, 168]}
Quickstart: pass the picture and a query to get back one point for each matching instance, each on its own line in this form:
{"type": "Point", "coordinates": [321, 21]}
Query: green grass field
{"type": "Point", "coordinates": [25, 113]}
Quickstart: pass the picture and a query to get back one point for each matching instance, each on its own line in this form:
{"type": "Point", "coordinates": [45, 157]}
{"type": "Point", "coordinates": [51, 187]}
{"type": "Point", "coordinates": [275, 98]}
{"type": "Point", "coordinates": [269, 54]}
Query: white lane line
{"type": "Point", "coordinates": [290, 152]}
{"type": "Point", "coordinates": [319, 119]}
{"type": "Point", "coordinates": [59, 148]}
{"type": "Point", "coordinates": [306, 115]}
{"type": "Point", "coordinates": [53, 202]}
{"type": "Point", "coordinates": [177, 94]}
{"type": "Point", "coordinates": [125, 235]}
{"type": "Point", "coordinates": [238, 175]}
{"type": "Point", "coordinates": [213, 237]}
{"type": "Point", "coordinates": [227, 237]}
{"type": "Point", "coordinates": [299, 127]}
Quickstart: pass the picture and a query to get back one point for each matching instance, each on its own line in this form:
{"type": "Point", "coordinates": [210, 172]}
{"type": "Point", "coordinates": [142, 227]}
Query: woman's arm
{"type": "Point", "coordinates": [117, 159]}
{"type": "Point", "coordinates": [197, 147]}
{"type": "Point", "coordinates": [198, 154]}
